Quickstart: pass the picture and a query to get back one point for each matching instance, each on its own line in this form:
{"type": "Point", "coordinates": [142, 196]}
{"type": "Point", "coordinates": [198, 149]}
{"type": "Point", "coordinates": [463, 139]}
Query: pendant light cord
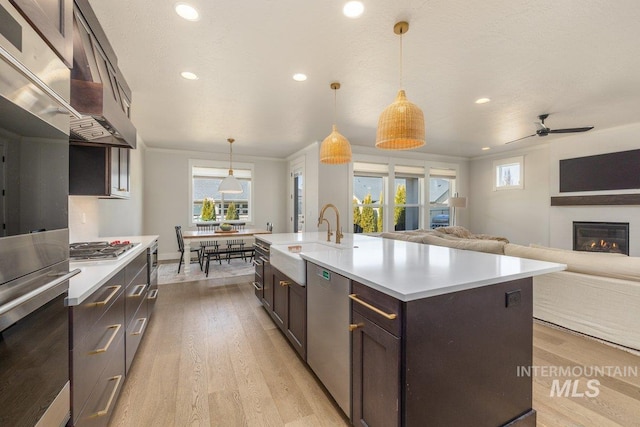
{"type": "Point", "coordinates": [335, 107]}
{"type": "Point", "coordinates": [401, 59]}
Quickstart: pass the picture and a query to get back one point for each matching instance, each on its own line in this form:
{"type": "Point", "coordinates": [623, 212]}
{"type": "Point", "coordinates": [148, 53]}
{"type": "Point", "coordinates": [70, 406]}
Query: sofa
{"type": "Point", "coordinates": [597, 295]}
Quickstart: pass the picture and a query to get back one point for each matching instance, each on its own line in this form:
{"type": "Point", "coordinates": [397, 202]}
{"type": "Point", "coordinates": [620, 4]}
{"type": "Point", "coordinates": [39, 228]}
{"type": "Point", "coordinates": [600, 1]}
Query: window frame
{"type": "Point", "coordinates": [218, 164]}
{"type": "Point", "coordinates": [372, 170]}
{"type": "Point", "coordinates": [498, 164]}
{"type": "Point", "coordinates": [402, 171]}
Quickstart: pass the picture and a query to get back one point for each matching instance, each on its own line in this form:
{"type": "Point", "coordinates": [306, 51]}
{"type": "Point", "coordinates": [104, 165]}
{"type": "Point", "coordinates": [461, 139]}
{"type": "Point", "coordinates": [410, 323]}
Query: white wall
{"type": "Point", "coordinates": [91, 218]}
{"type": "Point", "coordinates": [522, 216]}
{"type": "Point", "coordinates": [525, 216]}
{"type": "Point", "coordinates": [591, 143]}
{"type": "Point", "coordinates": [166, 193]}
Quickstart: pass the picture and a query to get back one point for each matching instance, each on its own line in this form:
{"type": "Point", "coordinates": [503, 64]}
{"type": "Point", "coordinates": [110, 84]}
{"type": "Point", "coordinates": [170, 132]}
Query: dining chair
{"type": "Point", "coordinates": [209, 248]}
{"type": "Point", "coordinates": [181, 249]}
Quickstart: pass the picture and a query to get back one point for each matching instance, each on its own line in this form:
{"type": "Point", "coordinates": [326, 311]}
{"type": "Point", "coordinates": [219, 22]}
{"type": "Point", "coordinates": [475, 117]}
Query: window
{"type": "Point", "coordinates": [508, 173]}
{"type": "Point", "coordinates": [441, 187]}
{"type": "Point", "coordinates": [407, 203]}
{"type": "Point", "coordinates": [205, 181]}
{"type": "Point", "coordinates": [369, 181]}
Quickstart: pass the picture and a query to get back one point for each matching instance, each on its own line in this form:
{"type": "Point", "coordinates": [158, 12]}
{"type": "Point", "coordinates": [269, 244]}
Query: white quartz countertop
{"type": "Point", "coordinates": [410, 271]}
{"type": "Point", "coordinates": [95, 273]}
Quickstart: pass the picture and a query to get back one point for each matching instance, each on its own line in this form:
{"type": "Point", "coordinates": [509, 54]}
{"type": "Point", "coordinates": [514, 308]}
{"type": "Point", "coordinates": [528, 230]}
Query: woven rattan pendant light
{"type": "Point", "coordinates": [335, 149]}
{"type": "Point", "coordinates": [401, 124]}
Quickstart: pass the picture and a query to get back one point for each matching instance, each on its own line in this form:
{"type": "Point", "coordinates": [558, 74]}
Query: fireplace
{"type": "Point", "coordinates": [601, 237]}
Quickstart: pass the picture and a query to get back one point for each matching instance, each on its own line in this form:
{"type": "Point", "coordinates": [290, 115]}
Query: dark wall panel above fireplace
{"type": "Point", "coordinates": [613, 171]}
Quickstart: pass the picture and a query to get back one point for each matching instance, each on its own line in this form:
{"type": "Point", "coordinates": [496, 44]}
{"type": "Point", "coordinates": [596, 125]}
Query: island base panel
{"type": "Point", "coordinates": [463, 351]}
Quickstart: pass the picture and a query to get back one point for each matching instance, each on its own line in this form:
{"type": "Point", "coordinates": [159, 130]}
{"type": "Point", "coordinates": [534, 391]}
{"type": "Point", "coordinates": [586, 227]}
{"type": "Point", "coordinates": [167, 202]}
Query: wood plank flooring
{"type": "Point", "coordinates": [212, 357]}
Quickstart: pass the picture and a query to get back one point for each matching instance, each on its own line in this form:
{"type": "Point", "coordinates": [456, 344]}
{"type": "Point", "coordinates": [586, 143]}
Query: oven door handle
{"type": "Point", "coordinates": [36, 292]}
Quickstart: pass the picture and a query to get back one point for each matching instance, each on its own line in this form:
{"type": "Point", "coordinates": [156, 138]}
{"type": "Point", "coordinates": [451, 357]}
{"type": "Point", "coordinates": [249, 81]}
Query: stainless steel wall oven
{"type": "Point", "coordinates": [34, 235]}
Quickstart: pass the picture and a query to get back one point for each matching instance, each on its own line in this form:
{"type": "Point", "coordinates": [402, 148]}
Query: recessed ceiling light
{"type": "Point", "coordinates": [299, 77]}
{"type": "Point", "coordinates": [482, 100]}
{"type": "Point", "coordinates": [187, 12]}
{"type": "Point", "coordinates": [189, 75]}
{"type": "Point", "coordinates": [353, 9]}
{"type": "Point", "coordinates": [486, 148]}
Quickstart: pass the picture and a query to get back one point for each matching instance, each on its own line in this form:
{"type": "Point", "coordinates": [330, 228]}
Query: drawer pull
{"type": "Point", "coordinates": [115, 328]}
{"type": "Point", "coordinates": [355, 298]}
{"type": "Point", "coordinates": [105, 411]}
{"type": "Point", "coordinates": [255, 285]}
{"type": "Point", "coordinates": [153, 294]}
{"type": "Point", "coordinates": [354, 326]}
{"type": "Point", "coordinates": [114, 291]}
{"type": "Point", "coordinates": [139, 290]}
{"type": "Point", "coordinates": [143, 321]}
{"type": "Point", "coordinates": [284, 283]}
{"type": "Point", "coordinates": [256, 263]}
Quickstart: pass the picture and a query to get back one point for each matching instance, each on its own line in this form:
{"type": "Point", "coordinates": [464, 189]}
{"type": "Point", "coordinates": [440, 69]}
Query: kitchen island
{"type": "Point", "coordinates": [437, 334]}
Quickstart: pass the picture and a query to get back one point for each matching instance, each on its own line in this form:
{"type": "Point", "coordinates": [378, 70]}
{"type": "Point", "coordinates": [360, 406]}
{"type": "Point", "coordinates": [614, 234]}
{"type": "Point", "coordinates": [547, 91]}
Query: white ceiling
{"type": "Point", "coordinates": [578, 60]}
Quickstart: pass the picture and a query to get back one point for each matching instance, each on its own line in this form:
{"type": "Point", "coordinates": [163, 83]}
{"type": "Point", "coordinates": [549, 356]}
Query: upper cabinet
{"type": "Point", "coordinates": [53, 20]}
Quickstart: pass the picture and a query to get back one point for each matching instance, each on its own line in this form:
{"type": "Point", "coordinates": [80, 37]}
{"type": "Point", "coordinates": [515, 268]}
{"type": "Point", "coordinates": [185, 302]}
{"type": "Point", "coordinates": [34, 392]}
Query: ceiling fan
{"type": "Point", "coordinates": [543, 130]}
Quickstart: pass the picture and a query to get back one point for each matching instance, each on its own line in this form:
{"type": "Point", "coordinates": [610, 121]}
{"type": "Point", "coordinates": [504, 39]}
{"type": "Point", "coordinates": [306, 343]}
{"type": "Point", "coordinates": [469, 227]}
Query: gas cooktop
{"type": "Point", "coordinates": [98, 250]}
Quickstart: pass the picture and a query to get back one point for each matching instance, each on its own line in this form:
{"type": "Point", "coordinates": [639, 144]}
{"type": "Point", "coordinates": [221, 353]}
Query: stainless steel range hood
{"type": "Point", "coordinates": [98, 90]}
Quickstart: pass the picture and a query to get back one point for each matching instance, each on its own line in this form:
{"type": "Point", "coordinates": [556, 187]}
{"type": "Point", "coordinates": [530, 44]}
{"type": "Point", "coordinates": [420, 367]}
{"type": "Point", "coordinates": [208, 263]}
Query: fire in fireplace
{"type": "Point", "coordinates": [601, 237]}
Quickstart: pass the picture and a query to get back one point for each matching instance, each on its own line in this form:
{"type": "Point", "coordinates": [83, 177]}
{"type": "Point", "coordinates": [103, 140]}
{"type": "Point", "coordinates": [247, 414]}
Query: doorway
{"type": "Point", "coordinates": [297, 196]}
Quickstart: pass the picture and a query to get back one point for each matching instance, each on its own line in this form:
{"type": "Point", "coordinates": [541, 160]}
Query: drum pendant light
{"type": "Point", "coordinates": [230, 184]}
{"type": "Point", "coordinates": [335, 149]}
{"type": "Point", "coordinates": [401, 124]}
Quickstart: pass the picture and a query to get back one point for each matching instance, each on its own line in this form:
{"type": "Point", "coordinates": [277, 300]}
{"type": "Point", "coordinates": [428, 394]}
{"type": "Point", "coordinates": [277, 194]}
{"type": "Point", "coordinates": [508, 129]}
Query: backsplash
{"type": "Point", "coordinates": [83, 219]}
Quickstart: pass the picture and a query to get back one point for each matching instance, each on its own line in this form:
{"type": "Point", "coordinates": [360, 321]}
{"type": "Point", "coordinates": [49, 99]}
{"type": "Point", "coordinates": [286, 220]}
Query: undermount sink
{"type": "Point", "coordinates": [287, 259]}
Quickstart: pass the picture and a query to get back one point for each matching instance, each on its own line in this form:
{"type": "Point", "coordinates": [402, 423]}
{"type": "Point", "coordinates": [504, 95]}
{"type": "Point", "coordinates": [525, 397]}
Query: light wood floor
{"type": "Point", "coordinates": [212, 357]}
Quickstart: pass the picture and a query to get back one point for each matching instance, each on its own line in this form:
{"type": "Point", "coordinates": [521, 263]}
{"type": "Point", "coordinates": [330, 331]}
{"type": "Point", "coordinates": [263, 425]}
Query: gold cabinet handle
{"type": "Point", "coordinates": [114, 291]}
{"type": "Point", "coordinates": [355, 298]}
{"type": "Point", "coordinates": [354, 326]}
{"type": "Point", "coordinates": [142, 321]}
{"type": "Point", "coordinates": [284, 283]}
{"type": "Point", "coordinates": [256, 285]}
{"type": "Point", "coordinates": [139, 290]}
{"type": "Point", "coordinates": [105, 411]}
{"type": "Point", "coordinates": [115, 328]}
{"type": "Point", "coordinates": [153, 294]}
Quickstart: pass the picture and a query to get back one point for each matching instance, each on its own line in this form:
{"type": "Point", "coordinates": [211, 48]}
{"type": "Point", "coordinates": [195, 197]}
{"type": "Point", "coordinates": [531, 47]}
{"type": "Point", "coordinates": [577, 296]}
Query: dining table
{"type": "Point", "coordinates": [199, 235]}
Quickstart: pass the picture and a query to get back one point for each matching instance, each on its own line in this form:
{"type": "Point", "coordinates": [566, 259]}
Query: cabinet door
{"type": "Point", "coordinates": [53, 20]}
{"type": "Point", "coordinates": [375, 375]}
{"type": "Point", "coordinates": [296, 326]}
{"type": "Point", "coordinates": [267, 286]}
{"type": "Point", "coordinates": [120, 172]}
{"type": "Point", "coordinates": [279, 313]}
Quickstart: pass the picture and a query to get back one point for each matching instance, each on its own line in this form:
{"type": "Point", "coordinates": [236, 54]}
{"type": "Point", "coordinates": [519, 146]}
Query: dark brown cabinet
{"type": "Point", "coordinates": [106, 330]}
{"type": "Point", "coordinates": [376, 358]}
{"type": "Point", "coordinates": [260, 262]}
{"type": "Point", "coordinates": [288, 308]}
{"type": "Point", "coordinates": [444, 360]}
{"type": "Point", "coordinates": [99, 170]}
{"type": "Point", "coordinates": [53, 20]}
{"type": "Point", "coordinates": [97, 353]}
{"type": "Point", "coordinates": [295, 325]}
{"type": "Point", "coordinates": [120, 160]}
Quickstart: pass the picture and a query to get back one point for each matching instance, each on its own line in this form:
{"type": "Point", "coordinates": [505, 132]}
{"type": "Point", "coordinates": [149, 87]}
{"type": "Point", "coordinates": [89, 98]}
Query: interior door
{"type": "Point", "coordinates": [297, 197]}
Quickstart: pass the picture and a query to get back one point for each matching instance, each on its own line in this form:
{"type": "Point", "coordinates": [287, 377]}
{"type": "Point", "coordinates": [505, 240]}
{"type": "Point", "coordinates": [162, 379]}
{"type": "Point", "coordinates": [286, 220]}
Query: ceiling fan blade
{"type": "Point", "coordinates": [570, 130]}
{"type": "Point", "coordinates": [528, 136]}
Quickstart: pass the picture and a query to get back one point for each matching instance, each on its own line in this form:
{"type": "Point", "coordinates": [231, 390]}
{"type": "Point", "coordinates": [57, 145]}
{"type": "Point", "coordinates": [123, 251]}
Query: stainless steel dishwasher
{"type": "Point", "coordinates": [328, 340]}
